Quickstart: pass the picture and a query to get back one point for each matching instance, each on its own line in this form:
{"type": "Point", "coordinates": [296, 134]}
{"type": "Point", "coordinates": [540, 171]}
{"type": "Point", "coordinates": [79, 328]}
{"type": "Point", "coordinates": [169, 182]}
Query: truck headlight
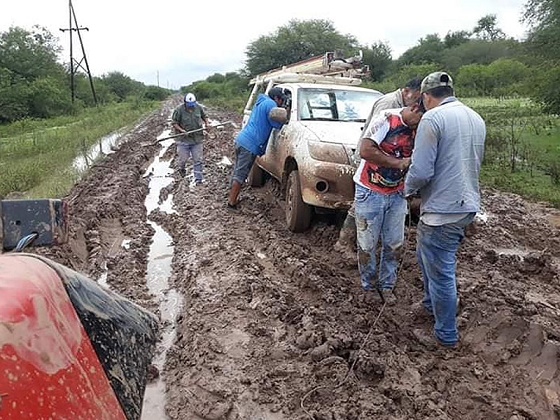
{"type": "Point", "coordinates": [328, 152]}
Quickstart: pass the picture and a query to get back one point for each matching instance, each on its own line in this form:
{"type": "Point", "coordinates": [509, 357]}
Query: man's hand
{"type": "Point", "coordinates": [404, 164]}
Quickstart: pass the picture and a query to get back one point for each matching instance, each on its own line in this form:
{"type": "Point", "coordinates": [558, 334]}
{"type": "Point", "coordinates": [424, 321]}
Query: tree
{"type": "Point", "coordinates": [379, 59]}
{"type": "Point", "coordinates": [486, 29]}
{"type": "Point", "coordinates": [478, 51]}
{"type": "Point", "coordinates": [428, 50]}
{"type": "Point", "coordinates": [30, 76]}
{"type": "Point", "coordinates": [296, 41]}
{"type": "Point", "coordinates": [474, 80]}
{"type": "Point", "coordinates": [454, 39]}
{"type": "Point", "coordinates": [122, 85]}
{"type": "Point", "coordinates": [30, 55]}
{"type": "Point", "coordinates": [543, 18]}
{"type": "Point", "coordinates": [48, 97]}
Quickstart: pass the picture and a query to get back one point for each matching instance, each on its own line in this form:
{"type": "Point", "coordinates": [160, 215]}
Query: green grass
{"type": "Point", "coordinates": [36, 155]}
{"type": "Point", "coordinates": [518, 127]}
{"type": "Point", "coordinates": [536, 187]}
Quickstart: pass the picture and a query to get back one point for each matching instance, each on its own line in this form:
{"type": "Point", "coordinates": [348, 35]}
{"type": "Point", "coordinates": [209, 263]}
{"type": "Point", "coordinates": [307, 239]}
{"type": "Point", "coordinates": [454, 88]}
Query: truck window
{"type": "Point", "coordinates": [335, 104]}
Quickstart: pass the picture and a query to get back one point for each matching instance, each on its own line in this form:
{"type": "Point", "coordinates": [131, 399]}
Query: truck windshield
{"type": "Point", "coordinates": [335, 104]}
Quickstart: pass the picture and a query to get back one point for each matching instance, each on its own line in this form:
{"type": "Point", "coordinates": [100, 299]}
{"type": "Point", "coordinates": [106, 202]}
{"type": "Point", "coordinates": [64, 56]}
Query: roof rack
{"type": "Point", "coordinates": [309, 78]}
{"type": "Point", "coordinates": [329, 68]}
{"type": "Point", "coordinates": [330, 64]}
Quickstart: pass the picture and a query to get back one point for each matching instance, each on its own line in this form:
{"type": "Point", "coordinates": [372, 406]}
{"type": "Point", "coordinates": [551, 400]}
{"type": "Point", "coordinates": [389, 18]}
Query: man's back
{"type": "Point", "coordinates": [257, 130]}
{"type": "Point", "coordinates": [449, 150]}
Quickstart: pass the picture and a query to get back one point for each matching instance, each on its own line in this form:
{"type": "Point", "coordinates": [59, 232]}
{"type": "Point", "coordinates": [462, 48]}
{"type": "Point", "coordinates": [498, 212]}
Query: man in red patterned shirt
{"type": "Point", "coordinates": [379, 203]}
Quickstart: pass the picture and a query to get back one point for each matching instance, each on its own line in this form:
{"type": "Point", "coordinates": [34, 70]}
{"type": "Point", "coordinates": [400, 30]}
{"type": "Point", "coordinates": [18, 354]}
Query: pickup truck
{"type": "Point", "coordinates": [312, 154]}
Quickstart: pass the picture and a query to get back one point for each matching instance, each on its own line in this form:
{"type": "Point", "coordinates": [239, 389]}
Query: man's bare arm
{"type": "Point", "coordinates": [370, 151]}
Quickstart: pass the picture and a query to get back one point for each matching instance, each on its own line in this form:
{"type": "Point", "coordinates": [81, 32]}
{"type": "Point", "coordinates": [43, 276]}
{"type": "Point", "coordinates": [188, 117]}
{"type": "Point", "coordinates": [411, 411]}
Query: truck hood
{"type": "Point", "coordinates": [347, 133]}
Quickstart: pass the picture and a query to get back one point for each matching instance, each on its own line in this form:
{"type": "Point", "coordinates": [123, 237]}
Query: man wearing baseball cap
{"type": "Point", "coordinates": [188, 118]}
{"type": "Point", "coordinates": [252, 140]}
{"type": "Point", "coordinates": [445, 170]}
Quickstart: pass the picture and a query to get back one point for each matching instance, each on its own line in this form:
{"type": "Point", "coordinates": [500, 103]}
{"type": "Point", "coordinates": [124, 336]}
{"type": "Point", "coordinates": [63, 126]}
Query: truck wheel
{"type": "Point", "coordinates": [298, 213]}
{"type": "Point", "coordinates": [256, 176]}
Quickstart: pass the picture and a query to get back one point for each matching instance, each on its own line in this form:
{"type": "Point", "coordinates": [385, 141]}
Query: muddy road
{"type": "Point", "coordinates": [260, 323]}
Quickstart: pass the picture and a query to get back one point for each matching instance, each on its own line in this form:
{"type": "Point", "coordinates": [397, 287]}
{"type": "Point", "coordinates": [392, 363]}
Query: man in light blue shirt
{"type": "Point", "coordinates": [445, 171]}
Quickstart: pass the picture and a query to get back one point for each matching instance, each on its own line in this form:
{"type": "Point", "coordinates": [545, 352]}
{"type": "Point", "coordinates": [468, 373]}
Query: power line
{"type": "Point", "coordinates": [76, 64]}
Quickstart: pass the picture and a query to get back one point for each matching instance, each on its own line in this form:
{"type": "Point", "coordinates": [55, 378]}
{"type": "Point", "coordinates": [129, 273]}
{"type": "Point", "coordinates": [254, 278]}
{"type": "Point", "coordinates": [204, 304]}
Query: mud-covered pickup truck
{"type": "Point", "coordinates": [311, 155]}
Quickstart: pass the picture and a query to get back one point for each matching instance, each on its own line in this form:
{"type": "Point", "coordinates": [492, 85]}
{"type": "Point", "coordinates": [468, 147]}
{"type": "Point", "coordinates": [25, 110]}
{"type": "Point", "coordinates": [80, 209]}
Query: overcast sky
{"type": "Point", "coordinates": [183, 41]}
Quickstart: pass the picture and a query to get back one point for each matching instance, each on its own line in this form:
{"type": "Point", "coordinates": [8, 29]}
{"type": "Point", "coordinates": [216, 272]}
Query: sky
{"type": "Point", "coordinates": [172, 43]}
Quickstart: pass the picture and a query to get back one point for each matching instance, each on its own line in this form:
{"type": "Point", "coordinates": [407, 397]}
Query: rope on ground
{"type": "Point", "coordinates": [351, 369]}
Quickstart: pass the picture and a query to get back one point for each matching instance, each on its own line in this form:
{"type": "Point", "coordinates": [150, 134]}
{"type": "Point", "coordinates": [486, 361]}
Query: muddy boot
{"type": "Point", "coordinates": [429, 340]}
{"type": "Point", "coordinates": [388, 297]}
{"type": "Point", "coordinates": [346, 244]}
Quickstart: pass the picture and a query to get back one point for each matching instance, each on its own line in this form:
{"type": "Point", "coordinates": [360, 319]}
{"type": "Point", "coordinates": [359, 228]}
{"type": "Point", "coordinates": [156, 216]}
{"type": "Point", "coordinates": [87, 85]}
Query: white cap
{"type": "Point", "coordinates": [190, 99]}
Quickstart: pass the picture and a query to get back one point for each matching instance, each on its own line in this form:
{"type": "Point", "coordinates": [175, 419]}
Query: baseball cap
{"type": "Point", "coordinates": [436, 79]}
{"type": "Point", "coordinates": [276, 91]}
{"type": "Point", "coordinates": [190, 99]}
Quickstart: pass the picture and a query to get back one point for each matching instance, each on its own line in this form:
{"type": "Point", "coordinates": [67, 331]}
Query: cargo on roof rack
{"type": "Point", "coordinates": [331, 65]}
{"type": "Point", "coordinates": [310, 78]}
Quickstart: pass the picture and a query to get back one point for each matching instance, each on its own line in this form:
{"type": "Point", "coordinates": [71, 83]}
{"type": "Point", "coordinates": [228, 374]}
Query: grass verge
{"type": "Point", "coordinates": [36, 156]}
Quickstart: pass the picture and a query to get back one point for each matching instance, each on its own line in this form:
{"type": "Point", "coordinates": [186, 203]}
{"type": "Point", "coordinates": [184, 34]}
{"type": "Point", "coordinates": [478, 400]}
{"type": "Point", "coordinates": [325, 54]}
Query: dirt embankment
{"type": "Point", "coordinates": [274, 321]}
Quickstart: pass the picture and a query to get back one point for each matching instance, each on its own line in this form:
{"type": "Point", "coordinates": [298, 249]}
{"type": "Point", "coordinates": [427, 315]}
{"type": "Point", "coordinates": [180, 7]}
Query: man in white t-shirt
{"type": "Point", "coordinates": [380, 208]}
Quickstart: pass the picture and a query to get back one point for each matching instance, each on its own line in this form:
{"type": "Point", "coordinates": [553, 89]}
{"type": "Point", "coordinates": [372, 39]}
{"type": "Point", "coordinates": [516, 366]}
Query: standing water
{"type": "Point", "coordinates": [159, 270]}
{"type": "Point", "coordinates": [104, 147]}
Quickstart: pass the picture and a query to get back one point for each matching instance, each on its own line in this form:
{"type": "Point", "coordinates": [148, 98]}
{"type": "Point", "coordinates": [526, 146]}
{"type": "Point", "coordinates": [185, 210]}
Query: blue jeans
{"type": "Point", "coordinates": [436, 249]}
{"type": "Point", "coordinates": [184, 151]}
{"type": "Point", "coordinates": [379, 215]}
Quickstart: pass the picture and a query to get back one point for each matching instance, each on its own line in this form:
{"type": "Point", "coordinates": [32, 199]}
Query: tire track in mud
{"type": "Point", "coordinates": [273, 315]}
{"type": "Point", "coordinates": [270, 315]}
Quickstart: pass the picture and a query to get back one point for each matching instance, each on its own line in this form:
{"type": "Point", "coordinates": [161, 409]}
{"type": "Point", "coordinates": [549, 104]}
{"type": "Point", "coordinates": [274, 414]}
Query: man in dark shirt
{"type": "Point", "coordinates": [189, 116]}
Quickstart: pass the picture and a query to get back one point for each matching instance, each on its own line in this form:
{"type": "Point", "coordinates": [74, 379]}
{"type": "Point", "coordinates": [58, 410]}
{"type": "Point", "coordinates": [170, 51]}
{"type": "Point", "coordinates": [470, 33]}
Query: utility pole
{"type": "Point", "coordinates": [76, 64]}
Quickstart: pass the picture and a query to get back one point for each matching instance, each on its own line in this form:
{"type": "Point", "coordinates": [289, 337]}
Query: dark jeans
{"type": "Point", "coordinates": [436, 250]}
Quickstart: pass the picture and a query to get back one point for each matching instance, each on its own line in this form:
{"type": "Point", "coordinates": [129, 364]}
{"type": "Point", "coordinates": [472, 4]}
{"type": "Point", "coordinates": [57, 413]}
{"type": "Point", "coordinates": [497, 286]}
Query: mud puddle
{"type": "Point", "coordinates": [158, 273]}
{"type": "Point", "coordinates": [104, 147]}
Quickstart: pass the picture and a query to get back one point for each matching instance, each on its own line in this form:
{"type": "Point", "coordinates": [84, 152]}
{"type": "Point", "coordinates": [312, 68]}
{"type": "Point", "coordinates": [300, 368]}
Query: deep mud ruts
{"type": "Point", "coordinates": [273, 321]}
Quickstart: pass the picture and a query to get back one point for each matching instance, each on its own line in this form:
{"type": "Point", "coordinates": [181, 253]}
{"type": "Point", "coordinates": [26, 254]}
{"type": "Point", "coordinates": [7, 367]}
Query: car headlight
{"type": "Point", "coordinates": [327, 152]}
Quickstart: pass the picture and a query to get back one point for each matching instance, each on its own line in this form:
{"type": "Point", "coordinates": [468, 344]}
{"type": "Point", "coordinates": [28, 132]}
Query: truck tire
{"type": "Point", "coordinates": [298, 213]}
{"type": "Point", "coordinates": [256, 176]}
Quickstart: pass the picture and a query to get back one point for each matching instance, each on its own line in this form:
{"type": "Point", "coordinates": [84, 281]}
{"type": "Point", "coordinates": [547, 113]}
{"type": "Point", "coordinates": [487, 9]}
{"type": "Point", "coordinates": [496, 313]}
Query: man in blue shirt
{"type": "Point", "coordinates": [251, 141]}
{"type": "Point", "coordinates": [445, 168]}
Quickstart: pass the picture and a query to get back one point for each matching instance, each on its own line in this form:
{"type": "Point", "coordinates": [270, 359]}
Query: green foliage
{"type": "Point", "coordinates": [296, 41]}
{"type": "Point", "coordinates": [224, 91]}
{"type": "Point", "coordinates": [543, 17]}
{"type": "Point", "coordinates": [428, 50]}
{"type": "Point", "coordinates": [408, 72]}
{"type": "Point", "coordinates": [486, 29]}
{"type": "Point", "coordinates": [48, 98]}
{"type": "Point", "coordinates": [454, 39]}
{"type": "Point", "coordinates": [36, 155]}
{"type": "Point", "coordinates": [537, 186]}
{"type": "Point", "coordinates": [503, 77]}
{"type": "Point", "coordinates": [521, 151]}
{"type": "Point", "coordinates": [30, 55]}
{"type": "Point", "coordinates": [156, 93]}
{"type": "Point", "coordinates": [30, 74]}
{"type": "Point", "coordinates": [478, 51]}
{"type": "Point", "coordinates": [546, 88]}
{"type": "Point", "coordinates": [378, 58]}
{"type": "Point", "coordinates": [121, 85]}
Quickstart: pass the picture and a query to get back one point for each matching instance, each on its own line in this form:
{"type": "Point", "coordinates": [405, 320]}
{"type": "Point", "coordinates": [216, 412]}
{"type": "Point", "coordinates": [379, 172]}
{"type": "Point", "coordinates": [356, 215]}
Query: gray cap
{"type": "Point", "coordinates": [436, 79]}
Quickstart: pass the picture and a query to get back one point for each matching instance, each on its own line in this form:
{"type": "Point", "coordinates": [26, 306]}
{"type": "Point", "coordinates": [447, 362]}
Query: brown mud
{"type": "Point", "coordinates": [274, 324]}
